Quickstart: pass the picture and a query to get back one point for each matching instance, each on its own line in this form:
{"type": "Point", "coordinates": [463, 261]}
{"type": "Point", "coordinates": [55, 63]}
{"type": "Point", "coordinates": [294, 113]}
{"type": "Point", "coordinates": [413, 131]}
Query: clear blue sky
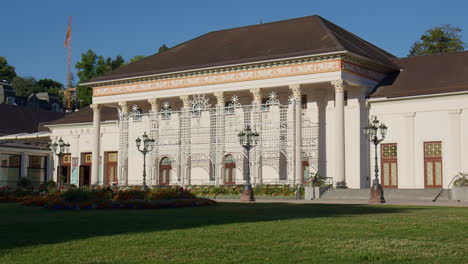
{"type": "Point", "coordinates": [32, 32]}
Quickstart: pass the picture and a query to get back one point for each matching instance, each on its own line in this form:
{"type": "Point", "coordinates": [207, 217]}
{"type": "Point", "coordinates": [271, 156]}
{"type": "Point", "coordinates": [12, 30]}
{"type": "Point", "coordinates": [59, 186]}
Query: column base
{"type": "Point", "coordinates": [247, 196]}
{"type": "Point", "coordinates": [376, 196]}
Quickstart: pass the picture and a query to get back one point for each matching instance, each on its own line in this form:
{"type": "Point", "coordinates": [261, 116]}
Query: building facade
{"type": "Point", "coordinates": [307, 86]}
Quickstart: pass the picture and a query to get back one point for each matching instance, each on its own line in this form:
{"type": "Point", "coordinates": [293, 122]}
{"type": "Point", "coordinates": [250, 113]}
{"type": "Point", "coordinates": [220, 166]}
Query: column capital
{"type": "Point", "coordinates": [257, 94]}
{"type": "Point", "coordinates": [96, 107]}
{"type": "Point", "coordinates": [295, 89]}
{"type": "Point", "coordinates": [154, 104]}
{"type": "Point", "coordinates": [339, 85]}
{"type": "Point", "coordinates": [123, 106]}
{"type": "Point", "coordinates": [185, 101]}
{"type": "Point", "coordinates": [220, 98]}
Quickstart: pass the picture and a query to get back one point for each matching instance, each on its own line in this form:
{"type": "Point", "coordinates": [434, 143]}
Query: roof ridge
{"type": "Point", "coordinates": [329, 32]}
{"type": "Point", "coordinates": [268, 23]}
{"type": "Point", "coordinates": [433, 54]}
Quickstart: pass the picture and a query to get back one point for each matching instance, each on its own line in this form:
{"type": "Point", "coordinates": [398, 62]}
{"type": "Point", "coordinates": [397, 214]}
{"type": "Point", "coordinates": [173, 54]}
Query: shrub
{"type": "Point", "coordinates": [26, 184]}
{"type": "Point", "coordinates": [51, 186]}
{"type": "Point", "coordinates": [462, 180]}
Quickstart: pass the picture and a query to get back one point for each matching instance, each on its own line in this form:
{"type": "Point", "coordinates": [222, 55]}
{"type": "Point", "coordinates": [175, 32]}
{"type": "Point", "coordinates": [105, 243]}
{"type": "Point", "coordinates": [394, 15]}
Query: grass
{"type": "Point", "coordinates": [236, 233]}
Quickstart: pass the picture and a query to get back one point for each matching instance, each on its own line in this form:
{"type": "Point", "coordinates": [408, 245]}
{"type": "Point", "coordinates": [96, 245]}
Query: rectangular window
{"type": "Point", "coordinates": [9, 169]}
{"type": "Point", "coordinates": [433, 164]}
{"type": "Point", "coordinates": [37, 169]}
{"type": "Point", "coordinates": [389, 161]}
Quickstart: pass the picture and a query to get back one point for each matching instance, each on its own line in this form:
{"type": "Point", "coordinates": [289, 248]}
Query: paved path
{"type": "Point", "coordinates": [418, 203]}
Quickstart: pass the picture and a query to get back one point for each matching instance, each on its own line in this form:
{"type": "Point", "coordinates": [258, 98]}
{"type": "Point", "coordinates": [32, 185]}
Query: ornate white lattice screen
{"type": "Point", "coordinates": [197, 139]}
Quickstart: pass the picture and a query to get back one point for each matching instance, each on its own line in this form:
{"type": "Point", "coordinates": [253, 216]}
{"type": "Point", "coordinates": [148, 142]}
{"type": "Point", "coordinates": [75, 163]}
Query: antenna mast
{"type": "Point", "coordinates": [68, 42]}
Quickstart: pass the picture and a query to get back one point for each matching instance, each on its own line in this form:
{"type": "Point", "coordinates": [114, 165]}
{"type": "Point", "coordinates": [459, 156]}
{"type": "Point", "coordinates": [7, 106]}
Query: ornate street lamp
{"type": "Point", "coordinates": [376, 195]}
{"type": "Point", "coordinates": [148, 145]}
{"type": "Point", "coordinates": [248, 139]}
{"type": "Point", "coordinates": [59, 148]}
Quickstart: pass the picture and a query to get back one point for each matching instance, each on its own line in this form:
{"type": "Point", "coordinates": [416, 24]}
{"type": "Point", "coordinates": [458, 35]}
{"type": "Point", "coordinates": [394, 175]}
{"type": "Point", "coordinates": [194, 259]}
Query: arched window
{"type": "Point", "coordinates": [164, 171]}
{"type": "Point", "coordinates": [229, 170]}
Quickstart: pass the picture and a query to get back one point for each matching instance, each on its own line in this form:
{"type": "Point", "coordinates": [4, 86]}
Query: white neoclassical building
{"type": "Point", "coordinates": [306, 85]}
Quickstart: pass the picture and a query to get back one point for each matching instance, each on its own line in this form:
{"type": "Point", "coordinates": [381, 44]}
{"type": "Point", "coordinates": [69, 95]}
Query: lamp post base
{"type": "Point", "coordinates": [247, 196]}
{"type": "Point", "coordinates": [376, 196]}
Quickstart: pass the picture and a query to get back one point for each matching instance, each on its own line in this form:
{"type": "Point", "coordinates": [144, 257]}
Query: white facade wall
{"type": "Point", "coordinates": [79, 136]}
{"type": "Point", "coordinates": [413, 121]}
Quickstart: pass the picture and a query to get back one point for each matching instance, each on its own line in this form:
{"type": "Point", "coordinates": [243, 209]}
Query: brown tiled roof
{"type": "Point", "coordinates": [288, 38]}
{"type": "Point", "coordinates": [18, 119]}
{"type": "Point", "coordinates": [85, 115]}
{"type": "Point", "coordinates": [431, 74]}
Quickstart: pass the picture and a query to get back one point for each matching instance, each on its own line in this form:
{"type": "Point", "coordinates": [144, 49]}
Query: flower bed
{"type": "Point", "coordinates": [109, 198]}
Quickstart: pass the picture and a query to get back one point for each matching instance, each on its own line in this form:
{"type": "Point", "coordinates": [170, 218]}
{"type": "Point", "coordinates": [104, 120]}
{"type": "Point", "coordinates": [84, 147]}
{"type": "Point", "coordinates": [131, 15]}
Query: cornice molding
{"type": "Point", "coordinates": [343, 61]}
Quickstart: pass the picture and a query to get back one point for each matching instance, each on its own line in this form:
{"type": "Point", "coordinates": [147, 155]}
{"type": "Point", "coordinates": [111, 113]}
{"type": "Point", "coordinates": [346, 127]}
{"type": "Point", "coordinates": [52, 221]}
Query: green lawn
{"type": "Point", "coordinates": [236, 233]}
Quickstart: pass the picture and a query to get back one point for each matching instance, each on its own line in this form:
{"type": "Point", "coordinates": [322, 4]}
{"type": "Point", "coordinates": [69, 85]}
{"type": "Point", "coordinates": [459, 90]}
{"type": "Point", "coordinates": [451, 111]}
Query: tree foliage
{"type": "Point", "coordinates": [48, 85]}
{"type": "Point", "coordinates": [136, 58]}
{"type": "Point", "coordinates": [24, 86]}
{"type": "Point", "coordinates": [92, 65]}
{"type": "Point", "coordinates": [162, 48]}
{"type": "Point", "coordinates": [7, 72]}
{"type": "Point", "coordinates": [442, 39]}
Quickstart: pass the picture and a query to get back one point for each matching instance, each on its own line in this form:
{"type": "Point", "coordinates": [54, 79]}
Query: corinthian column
{"type": "Point", "coordinates": [256, 122]}
{"type": "Point", "coordinates": [123, 144]}
{"type": "Point", "coordinates": [185, 127]}
{"type": "Point", "coordinates": [339, 179]}
{"type": "Point", "coordinates": [219, 138]}
{"type": "Point", "coordinates": [154, 134]}
{"type": "Point", "coordinates": [296, 95]}
{"type": "Point", "coordinates": [96, 143]}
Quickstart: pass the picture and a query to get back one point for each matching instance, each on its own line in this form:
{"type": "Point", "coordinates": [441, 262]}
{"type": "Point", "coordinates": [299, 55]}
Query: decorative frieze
{"type": "Point", "coordinates": [219, 78]}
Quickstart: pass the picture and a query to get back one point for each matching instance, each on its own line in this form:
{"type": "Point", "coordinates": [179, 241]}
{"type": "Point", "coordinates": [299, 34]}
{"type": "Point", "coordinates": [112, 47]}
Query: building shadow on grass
{"type": "Point", "coordinates": [26, 226]}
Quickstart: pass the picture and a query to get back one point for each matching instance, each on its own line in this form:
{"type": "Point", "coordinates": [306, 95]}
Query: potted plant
{"type": "Point", "coordinates": [460, 187]}
{"type": "Point", "coordinates": [312, 188]}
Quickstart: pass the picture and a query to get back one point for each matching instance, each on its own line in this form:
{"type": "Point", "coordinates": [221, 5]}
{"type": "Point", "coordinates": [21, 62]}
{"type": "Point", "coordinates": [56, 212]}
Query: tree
{"type": "Point", "coordinates": [23, 86]}
{"type": "Point", "coordinates": [163, 48]}
{"type": "Point", "coordinates": [7, 72]}
{"type": "Point", "coordinates": [136, 58]}
{"type": "Point", "coordinates": [440, 39]}
{"type": "Point", "coordinates": [48, 85]}
{"type": "Point", "coordinates": [92, 65]}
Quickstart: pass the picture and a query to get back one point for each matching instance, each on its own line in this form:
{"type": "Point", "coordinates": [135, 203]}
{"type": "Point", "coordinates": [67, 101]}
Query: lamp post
{"type": "Point", "coordinates": [248, 139]}
{"type": "Point", "coordinates": [59, 148]}
{"type": "Point", "coordinates": [376, 192]}
{"type": "Point", "coordinates": [148, 145]}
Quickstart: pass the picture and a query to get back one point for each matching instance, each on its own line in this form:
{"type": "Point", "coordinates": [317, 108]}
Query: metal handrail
{"type": "Point", "coordinates": [448, 188]}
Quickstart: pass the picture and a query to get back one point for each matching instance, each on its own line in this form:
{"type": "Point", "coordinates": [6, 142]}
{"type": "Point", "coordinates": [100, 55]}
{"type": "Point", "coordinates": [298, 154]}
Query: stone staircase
{"type": "Point", "coordinates": [390, 195]}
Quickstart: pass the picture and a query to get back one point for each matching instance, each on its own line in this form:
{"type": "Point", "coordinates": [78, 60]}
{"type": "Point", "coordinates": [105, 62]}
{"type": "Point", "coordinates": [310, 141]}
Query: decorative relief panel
{"type": "Point", "coordinates": [245, 75]}
{"type": "Point", "coordinates": [432, 149]}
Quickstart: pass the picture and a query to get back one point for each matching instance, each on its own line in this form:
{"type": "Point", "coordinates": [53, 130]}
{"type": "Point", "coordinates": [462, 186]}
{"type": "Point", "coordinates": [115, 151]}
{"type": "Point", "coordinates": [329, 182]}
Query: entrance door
{"type": "Point", "coordinates": [65, 174]}
{"type": "Point", "coordinates": [229, 170]}
{"type": "Point", "coordinates": [111, 169]}
{"type": "Point", "coordinates": [164, 171]}
{"type": "Point", "coordinates": [389, 160]}
{"type": "Point", "coordinates": [433, 164]}
{"type": "Point", "coordinates": [85, 175]}
{"type": "Point", "coordinates": [305, 171]}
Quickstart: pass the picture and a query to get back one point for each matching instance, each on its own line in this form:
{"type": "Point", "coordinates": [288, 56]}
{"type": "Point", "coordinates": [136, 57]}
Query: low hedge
{"type": "Point", "coordinates": [259, 190]}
